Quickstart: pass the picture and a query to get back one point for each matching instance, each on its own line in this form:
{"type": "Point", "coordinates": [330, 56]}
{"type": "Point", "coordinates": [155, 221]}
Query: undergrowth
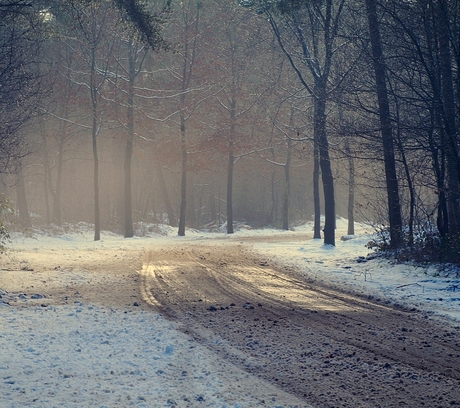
{"type": "Point", "coordinates": [427, 246]}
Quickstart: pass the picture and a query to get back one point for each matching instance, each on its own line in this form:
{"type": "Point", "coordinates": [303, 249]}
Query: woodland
{"type": "Point", "coordinates": [210, 114]}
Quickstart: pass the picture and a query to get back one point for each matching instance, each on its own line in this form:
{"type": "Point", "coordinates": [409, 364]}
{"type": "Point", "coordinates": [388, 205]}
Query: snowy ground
{"type": "Point", "coordinates": [434, 289]}
{"type": "Point", "coordinates": [78, 354]}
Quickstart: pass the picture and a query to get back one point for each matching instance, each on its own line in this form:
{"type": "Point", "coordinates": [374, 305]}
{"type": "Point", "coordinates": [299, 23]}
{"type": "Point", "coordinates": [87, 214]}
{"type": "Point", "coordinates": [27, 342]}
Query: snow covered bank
{"type": "Point", "coordinates": [433, 289]}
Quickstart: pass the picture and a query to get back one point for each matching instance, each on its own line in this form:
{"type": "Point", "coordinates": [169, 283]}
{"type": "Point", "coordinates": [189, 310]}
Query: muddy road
{"type": "Point", "coordinates": [330, 348]}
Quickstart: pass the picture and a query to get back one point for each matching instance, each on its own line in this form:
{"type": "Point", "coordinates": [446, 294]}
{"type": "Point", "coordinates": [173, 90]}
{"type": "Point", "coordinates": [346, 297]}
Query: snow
{"type": "Point", "coordinates": [88, 356]}
{"type": "Point", "coordinates": [81, 354]}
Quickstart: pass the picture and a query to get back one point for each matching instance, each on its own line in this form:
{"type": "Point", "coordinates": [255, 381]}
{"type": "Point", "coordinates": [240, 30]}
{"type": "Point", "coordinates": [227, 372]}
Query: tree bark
{"type": "Point", "coordinates": [442, 218]}
{"type": "Point", "coordinates": [188, 61]}
{"type": "Point", "coordinates": [57, 217]}
{"type": "Point", "coordinates": [450, 125]}
{"type": "Point", "coordinates": [164, 192]}
{"type": "Point", "coordinates": [23, 210]}
{"type": "Point", "coordinates": [327, 177]}
{"type": "Point", "coordinates": [271, 214]}
{"type": "Point", "coordinates": [94, 132]}
{"type": "Point", "coordinates": [128, 201]}
{"type": "Point", "coordinates": [183, 185]}
{"type": "Point", "coordinates": [46, 173]}
{"type": "Point", "coordinates": [394, 207]}
{"type": "Point", "coordinates": [231, 163]}
{"type": "Point", "coordinates": [316, 197]}
{"type": "Point", "coordinates": [287, 185]}
{"type": "Point", "coordinates": [351, 190]}
{"type": "Point", "coordinates": [320, 73]}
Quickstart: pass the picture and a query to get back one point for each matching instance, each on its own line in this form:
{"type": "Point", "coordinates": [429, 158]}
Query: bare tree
{"type": "Point", "coordinates": [22, 78]}
{"type": "Point", "coordinates": [394, 206]}
{"type": "Point", "coordinates": [308, 34]}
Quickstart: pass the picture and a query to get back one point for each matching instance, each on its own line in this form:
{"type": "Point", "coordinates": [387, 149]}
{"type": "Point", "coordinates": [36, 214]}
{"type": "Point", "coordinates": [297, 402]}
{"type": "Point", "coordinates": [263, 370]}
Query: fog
{"type": "Point", "coordinates": [258, 185]}
{"type": "Point", "coordinates": [225, 117]}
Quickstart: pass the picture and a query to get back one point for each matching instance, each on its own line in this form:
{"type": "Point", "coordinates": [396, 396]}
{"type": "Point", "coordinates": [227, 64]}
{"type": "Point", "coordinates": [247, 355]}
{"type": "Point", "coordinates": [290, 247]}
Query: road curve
{"type": "Point", "coordinates": [330, 348]}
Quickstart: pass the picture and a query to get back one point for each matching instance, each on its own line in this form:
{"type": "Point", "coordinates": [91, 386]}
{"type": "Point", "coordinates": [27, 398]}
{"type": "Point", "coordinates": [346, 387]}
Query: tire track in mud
{"type": "Point", "coordinates": [328, 347]}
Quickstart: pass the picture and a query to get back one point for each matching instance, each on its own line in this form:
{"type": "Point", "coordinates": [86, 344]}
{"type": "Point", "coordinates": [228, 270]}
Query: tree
{"type": "Point", "coordinates": [22, 78]}
{"type": "Point", "coordinates": [64, 98]}
{"type": "Point", "coordinates": [23, 82]}
{"type": "Point", "coordinates": [147, 22]}
{"type": "Point", "coordinates": [449, 114]}
{"type": "Point", "coordinates": [132, 73]}
{"type": "Point", "coordinates": [191, 23]}
{"type": "Point", "coordinates": [124, 78]}
{"type": "Point", "coordinates": [418, 44]}
{"type": "Point", "coordinates": [394, 207]}
{"type": "Point", "coordinates": [91, 25]}
{"type": "Point", "coordinates": [240, 90]}
{"type": "Point", "coordinates": [308, 34]}
{"type": "Point", "coordinates": [149, 29]}
{"type": "Point", "coordinates": [23, 210]}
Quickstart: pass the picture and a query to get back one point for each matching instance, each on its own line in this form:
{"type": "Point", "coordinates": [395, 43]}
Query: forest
{"type": "Point", "coordinates": [210, 114]}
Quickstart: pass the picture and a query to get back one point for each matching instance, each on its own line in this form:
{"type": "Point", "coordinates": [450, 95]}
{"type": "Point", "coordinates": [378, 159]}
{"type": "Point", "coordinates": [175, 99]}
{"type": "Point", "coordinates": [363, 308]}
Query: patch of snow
{"type": "Point", "coordinates": [352, 266]}
{"type": "Point", "coordinates": [74, 356]}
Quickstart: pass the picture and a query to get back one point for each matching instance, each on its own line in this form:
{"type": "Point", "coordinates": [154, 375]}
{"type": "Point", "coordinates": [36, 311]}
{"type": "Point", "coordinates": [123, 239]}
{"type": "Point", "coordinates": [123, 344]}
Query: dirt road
{"type": "Point", "coordinates": [327, 347]}
{"type": "Point", "coordinates": [330, 348]}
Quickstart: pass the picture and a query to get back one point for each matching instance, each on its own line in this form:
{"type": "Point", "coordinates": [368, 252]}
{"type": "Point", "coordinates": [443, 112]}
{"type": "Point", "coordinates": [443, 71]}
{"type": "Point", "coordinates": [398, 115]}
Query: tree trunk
{"type": "Point", "coordinates": [450, 126]}
{"type": "Point", "coordinates": [94, 132]}
{"type": "Point", "coordinates": [212, 207]}
{"type": "Point", "coordinates": [442, 219]}
{"type": "Point", "coordinates": [316, 196]}
{"type": "Point", "coordinates": [325, 164]}
{"type": "Point", "coordinates": [231, 163]}
{"type": "Point", "coordinates": [410, 186]}
{"type": "Point", "coordinates": [287, 183]}
{"type": "Point", "coordinates": [183, 186]}
{"type": "Point", "coordinates": [191, 208]}
{"type": "Point", "coordinates": [329, 25]}
{"type": "Point", "coordinates": [128, 200]}
{"type": "Point", "coordinates": [24, 217]}
{"type": "Point", "coordinates": [97, 220]}
{"type": "Point", "coordinates": [46, 175]}
{"type": "Point", "coordinates": [57, 217]}
{"type": "Point", "coordinates": [164, 192]}
{"type": "Point", "coordinates": [190, 43]}
{"type": "Point", "coordinates": [351, 190]}
{"type": "Point", "coordinates": [394, 207]}
{"type": "Point", "coordinates": [271, 214]}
